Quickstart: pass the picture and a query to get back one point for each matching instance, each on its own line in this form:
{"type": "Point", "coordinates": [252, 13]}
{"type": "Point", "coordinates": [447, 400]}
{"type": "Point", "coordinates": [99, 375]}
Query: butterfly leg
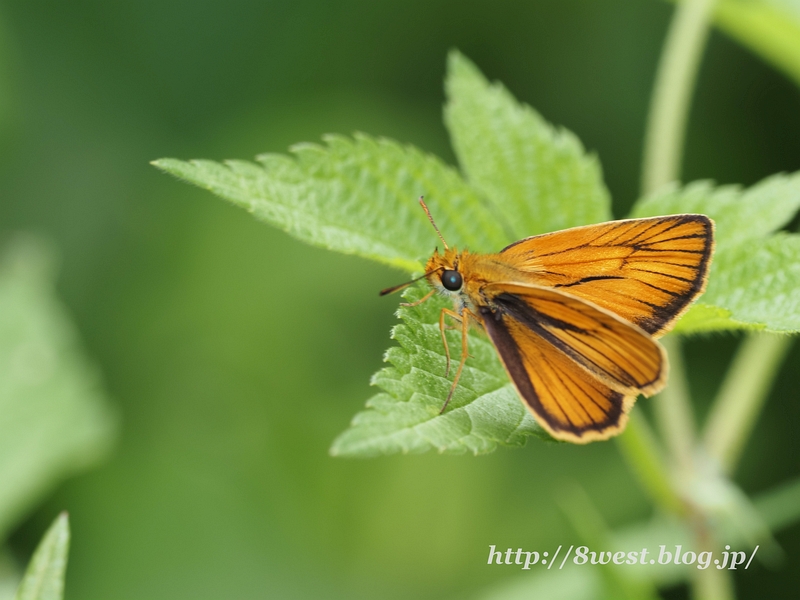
{"type": "Point", "coordinates": [418, 302]}
{"type": "Point", "coordinates": [464, 318]}
{"type": "Point", "coordinates": [442, 327]}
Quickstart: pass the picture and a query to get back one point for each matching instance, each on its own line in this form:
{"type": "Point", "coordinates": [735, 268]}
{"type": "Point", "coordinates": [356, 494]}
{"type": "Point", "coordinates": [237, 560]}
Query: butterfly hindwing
{"type": "Point", "coordinates": [647, 271]}
{"type": "Point", "coordinates": [618, 353]}
{"type": "Point", "coordinates": [577, 366]}
{"type": "Point", "coordinates": [569, 403]}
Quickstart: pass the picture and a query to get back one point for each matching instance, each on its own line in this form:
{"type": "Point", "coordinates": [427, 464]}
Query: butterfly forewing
{"type": "Point", "coordinates": [647, 271]}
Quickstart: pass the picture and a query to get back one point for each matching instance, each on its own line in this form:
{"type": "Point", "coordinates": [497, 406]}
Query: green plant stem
{"type": "Point", "coordinates": [664, 140]}
{"type": "Point", "coordinates": [645, 458]}
{"type": "Point", "coordinates": [661, 164]}
{"type": "Point", "coordinates": [673, 410]}
{"type": "Point", "coordinates": [669, 108]}
{"type": "Point", "coordinates": [666, 128]}
{"type": "Point", "coordinates": [741, 397]}
{"type": "Point", "coordinates": [710, 584]}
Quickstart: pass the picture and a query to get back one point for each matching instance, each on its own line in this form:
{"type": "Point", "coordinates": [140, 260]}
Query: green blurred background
{"type": "Point", "coordinates": [235, 354]}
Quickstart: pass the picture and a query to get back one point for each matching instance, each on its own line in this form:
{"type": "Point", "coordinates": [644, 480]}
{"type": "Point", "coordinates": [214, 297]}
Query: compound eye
{"type": "Point", "coordinates": [451, 280]}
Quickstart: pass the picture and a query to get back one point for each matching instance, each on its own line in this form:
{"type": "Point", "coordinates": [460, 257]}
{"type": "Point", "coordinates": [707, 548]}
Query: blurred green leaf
{"type": "Point", "coordinates": [571, 583]}
{"type": "Point", "coordinates": [754, 281]}
{"type": "Point", "coordinates": [44, 578]}
{"type": "Point", "coordinates": [537, 176]}
{"type": "Point", "coordinates": [10, 575]}
{"type": "Point", "coordinates": [357, 196]}
{"type": "Point", "coordinates": [54, 419]}
{"type": "Point", "coordinates": [780, 506]}
{"type": "Point", "coordinates": [484, 411]}
{"type": "Point", "coordinates": [770, 28]}
{"type": "Point", "coordinates": [588, 523]}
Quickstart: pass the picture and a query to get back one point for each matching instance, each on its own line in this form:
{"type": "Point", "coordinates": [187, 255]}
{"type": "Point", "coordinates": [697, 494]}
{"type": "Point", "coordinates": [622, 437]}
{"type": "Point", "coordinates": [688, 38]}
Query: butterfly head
{"type": "Point", "coordinates": [442, 272]}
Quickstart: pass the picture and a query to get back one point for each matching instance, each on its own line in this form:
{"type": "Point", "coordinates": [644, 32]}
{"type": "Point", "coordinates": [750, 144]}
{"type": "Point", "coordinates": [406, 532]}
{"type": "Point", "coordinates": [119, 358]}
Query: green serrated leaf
{"type": "Point", "coordinates": [704, 318]}
{"type": "Point", "coordinates": [538, 177]}
{"type": "Point", "coordinates": [739, 214]}
{"type": "Point", "coordinates": [770, 28]}
{"type": "Point", "coordinates": [485, 410]}
{"type": "Point", "coordinates": [357, 196]}
{"type": "Point", "coordinates": [44, 577]}
{"type": "Point", "coordinates": [54, 418]}
{"type": "Point", "coordinates": [759, 283]}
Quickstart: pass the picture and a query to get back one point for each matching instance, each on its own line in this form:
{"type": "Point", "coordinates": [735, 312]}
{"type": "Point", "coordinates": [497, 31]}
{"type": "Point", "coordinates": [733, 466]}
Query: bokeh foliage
{"type": "Point", "coordinates": [214, 332]}
{"type": "Point", "coordinates": [55, 420]}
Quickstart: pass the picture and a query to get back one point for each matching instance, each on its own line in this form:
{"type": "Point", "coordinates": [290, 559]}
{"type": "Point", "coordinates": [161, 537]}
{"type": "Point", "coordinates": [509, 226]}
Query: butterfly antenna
{"type": "Point", "coordinates": [397, 288]}
{"type": "Point", "coordinates": [430, 218]}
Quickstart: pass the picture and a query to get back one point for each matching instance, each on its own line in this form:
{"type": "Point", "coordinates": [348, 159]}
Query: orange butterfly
{"type": "Point", "coordinates": [574, 314]}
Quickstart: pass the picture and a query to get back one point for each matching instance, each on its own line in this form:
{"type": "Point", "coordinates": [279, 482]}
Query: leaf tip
{"type": "Point", "coordinates": [44, 576]}
{"type": "Point", "coordinates": [168, 165]}
{"type": "Point", "coordinates": [60, 527]}
{"type": "Point", "coordinates": [459, 64]}
{"type": "Point", "coordinates": [60, 530]}
{"type": "Point", "coordinates": [454, 56]}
